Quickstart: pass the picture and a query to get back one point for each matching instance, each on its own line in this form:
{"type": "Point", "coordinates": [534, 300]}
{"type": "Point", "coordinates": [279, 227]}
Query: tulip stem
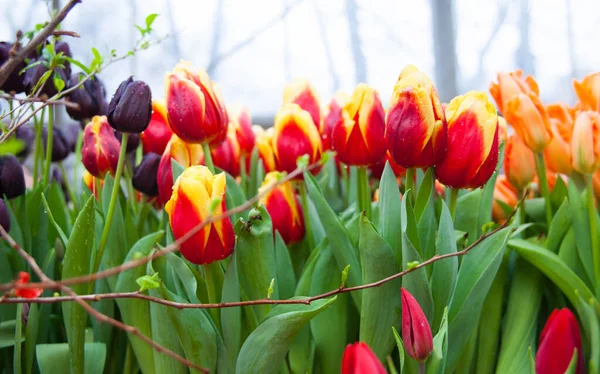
{"type": "Point", "coordinates": [593, 226]}
{"type": "Point", "coordinates": [38, 146]}
{"type": "Point", "coordinates": [208, 158]}
{"type": "Point", "coordinates": [305, 209]}
{"type": "Point", "coordinates": [409, 183]}
{"type": "Point", "coordinates": [364, 193]}
{"type": "Point", "coordinates": [545, 190]}
{"type": "Point", "coordinates": [48, 163]}
{"type": "Point", "coordinates": [453, 200]}
{"type": "Point", "coordinates": [421, 367]}
{"type": "Point", "coordinates": [111, 206]}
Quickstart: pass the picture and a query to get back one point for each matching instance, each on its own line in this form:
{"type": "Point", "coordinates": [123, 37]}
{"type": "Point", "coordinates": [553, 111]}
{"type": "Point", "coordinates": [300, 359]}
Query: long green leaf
{"type": "Point", "coordinates": [55, 358]}
{"type": "Point", "coordinates": [581, 226]}
{"type": "Point", "coordinates": [389, 212]}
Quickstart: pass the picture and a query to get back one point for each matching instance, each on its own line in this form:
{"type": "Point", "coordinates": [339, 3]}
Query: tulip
{"type": "Point", "coordinates": [240, 120]}
{"type": "Point", "coordinates": [26, 135]}
{"type": "Point", "coordinates": [91, 98]}
{"type": "Point", "coordinates": [283, 207]}
{"type": "Point", "coordinates": [416, 333]}
{"type": "Point", "coordinates": [61, 147]}
{"type": "Point", "coordinates": [70, 132]}
{"type": "Point", "coordinates": [130, 109]}
{"type": "Point", "coordinates": [358, 138]}
{"type": "Point", "coordinates": [502, 130]}
{"type": "Point", "coordinates": [302, 93]}
{"type": "Point", "coordinates": [100, 151]}
{"type": "Point", "coordinates": [28, 293]}
{"type": "Point", "coordinates": [33, 75]}
{"type": "Point", "coordinates": [333, 115]}
{"type": "Point", "coordinates": [509, 86]}
{"type": "Point", "coordinates": [158, 133]}
{"type": "Point", "coordinates": [264, 144]}
{"type": "Point", "coordinates": [558, 153]}
{"type": "Point", "coordinates": [588, 92]}
{"type": "Point", "coordinates": [4, 216]}
{"type": "Point", "coordinates": [145, 175]}
{"type": "Point", "coordinates": [505, 197]}
{"type": "Point", "coordinates": [12, 178]}
{"type": "Point", "coordinates": [295, 136]}
{"type": "Point", "coordinates": [558, 341]}
{"type": "Point", "coordinates": [519, 163]}
{"type": "Point", "coordinates": [585, 143]}
{"type": "Point", "coordinates": [91, 182]}
{"type": "Point", "coordinates": [360, 359]}
{"type": "Point", "coordinates": [193, 194]}
{"type": "Point", "coordinates": [196, 112]}
{"type": "Point", "coordinates": [529, 118]}
{"type": "Point", "coordinates": [185, 154]}
{"type": "Point", "coordinates": [226, 156]}
{"type": "Point", "coordinates": [472, 142]}
{"type": "Point", "coordinates": [14, 83]}
{"type": "Point", "coordinates": [377, 169]}
{"type": "Point", "coordinates": [416, 130]}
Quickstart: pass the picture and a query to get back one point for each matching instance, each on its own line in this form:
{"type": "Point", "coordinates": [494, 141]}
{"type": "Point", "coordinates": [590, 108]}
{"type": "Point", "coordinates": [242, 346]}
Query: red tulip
{"type": "Point", "coordinates": [558, 340]}
{"type": "Point", "coordinates": [158, 133]}
{"type": "Point", "coordinates": [360, 359]}
{"type": "Point", "coordinates": [226, 155]}
{"type": "Point", "coordinates": [185, 154]}
{"type": "Point", "coordinates": [302, 93]}
{"type": "Point", "coordinates": [241, 121]}
{"type": "Point", "coordinates": [28, 293]}
{"type": "Point", "coordinates": [333, 115]}
{"type": "Point", "coordinates": [100, 151]}
{"type": "Point", "coordinates": [416, 333]}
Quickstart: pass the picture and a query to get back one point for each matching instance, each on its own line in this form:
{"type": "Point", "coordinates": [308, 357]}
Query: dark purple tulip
{"type": "Point", "coordinates": [71, 133]}
{"type": "Point", "coordinates": [63, 47]}
{"type": "Point", "coordinates": [133, 141]}
{"type": "Point", "coordinates": [144, 176]}
{"type": "Point", "coordinates": [12, 179]}
{"type": "Point", "coordinates": [4, 216]}
{"type": "Point", "coordinates": [91, 98]}
{"type": "Point", "coordinates": [33, 75]}
{"type": "Point", "coordinates": [14, 83]}
{"type": "Point", "coordinates": [60, 144]}
{"type": "Point", "coordinates": [131, 107]}
{"type": "Point", "coordinates": [25, 134]}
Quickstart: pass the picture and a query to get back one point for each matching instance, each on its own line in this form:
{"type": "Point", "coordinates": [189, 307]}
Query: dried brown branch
{"type": "Point", "coordinates": [15, 60]}
{"type": "Point", "coordinates": [59, 33]}
{"type": "Point", "coordinates": [39, 100]}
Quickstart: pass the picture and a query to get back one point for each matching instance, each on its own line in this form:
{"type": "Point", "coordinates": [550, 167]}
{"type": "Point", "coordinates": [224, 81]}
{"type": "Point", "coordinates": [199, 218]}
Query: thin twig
{"type": "Point", "coordinates": [39, 100]}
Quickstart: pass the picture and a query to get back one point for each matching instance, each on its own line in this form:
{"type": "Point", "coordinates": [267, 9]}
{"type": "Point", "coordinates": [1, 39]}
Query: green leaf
{"type": "Point", "coordinates": [61, 235]}
{"type": "Point", "coordinates": [31, 334]}
{"type": "Point", "coordinates": [561, 222]}
{"type": "Point", "coordinates": [409, 226]}
{"type": "Point", "coordinates": [572, 368]}
{"type": "Point", "coordinates": [234, 197]}
{"type": "Point", "coordinates": [591, 329]}
{"type": "Point", "coordinates": [116, 245]}
{"type": "Point", "coordinates": [177, 168]}
{"type": "Point", "coordinates": [381, 305]}
{"type": "Point", "coordinates": [79, 64]}
{"type": "Point", "coordinates": [436, 362]}
{"type": "Point", "coordinates": [54, 358]}
{"type": "Point", "coordinates": [231, 318]}
{"type": "Point", "coordinates": [343, 250]}
{"type": "Point", "coordinates": [487, 197]}
{"type": "Point", "coordinates": [97, 57]}
{"type": "Point", "coordinates": [76, 263]}
{"type": "Point", "coordinates": [569, 255]}
{"type": "Point", "coordinates": [400, 347]}
{"type": "Point", "coordinates": [148, 282]}
{"type": "Point", "coordinates": [389, 212]}
{"type": "Point", "coordinates": [581, 226]}
{"type": "Point", "coordinates": [467, 214]}
{"type": "Point", "coordinates": [58, 82]}
{"type": "Point", "coordinates": [477, 272]}
{"type": "Point", "coordinates": [12, 146]}
{"type": "Point", "coordinates": [286, 279]}
{"type": "Point", "coordinates": [265, 349]}
{"type": "Point", "coordinates": [7, 333]}
{"type": "Point", "coordinates": [150, 20]}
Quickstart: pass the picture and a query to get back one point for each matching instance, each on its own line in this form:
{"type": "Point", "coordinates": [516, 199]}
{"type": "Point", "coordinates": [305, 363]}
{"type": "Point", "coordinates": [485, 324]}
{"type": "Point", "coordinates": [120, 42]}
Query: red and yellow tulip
{"type": "Point", "coordinates": [264, 144]}
{"type": "Point", "coordinates": [158, 133]}
{"type": "Point", "coordinates": [358, 138]}
{"type": "Point", "coordinates": [226, 156]}
{"type": "Point", "coordinates": [190, 204]}
{"type": "Point", "coordinates": [519, 163]}
{"type": "Point", "coordinates": [333, 115]}
{"type": "Point", "coordinates": [100, 151]}
{"type": "Point", "coordinates": [416, 129]}
{"type": "Point", "coordinates": [472, 142]}
{"type": "Point", "coordinates": [241, 121]}
{"type": "Point", "coordinates": [585, 142]}
{"type": "Point", "coordinates": [302, 93]}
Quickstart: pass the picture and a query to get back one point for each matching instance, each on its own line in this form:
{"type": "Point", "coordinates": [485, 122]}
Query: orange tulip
{"type": "Point", "coordinates": [509, 86]}
{"type": "Point", "coordinates": [195, 109]}
{"type": "Point", "coordinates": [596, 183]}
{"type": "Point", "coordinates": [333, 115]}
{"type": "Point", "coordinates": [558, 152]}
{"type": "Point", "coordinates": [301, 92]}
{"type": "Point", "coordinates": [100, 151]}
{"type": "Point", "coordinates": [264, 144]}
{"type": "Point", "coordinates": [585, 143]}
{"type": "Point", "coordinates": [227, 155]}
{"type": "Point", "coordinates": [241, 121]}
{"type": "Point", "coordinates": [472, 142]}
{"type": "Point", "coordinates": [505, 199]}
{"type": "Point", "coordinates": [283, 207]}
{"type": "Point", "coordinates": [416, 131]}
{"type": "Point", "coordinates": [158, 133]}
{"type": "Point", "coordinates": [358, 138]}
{"type": "Point", "coordinates": [185, 154]}
{"type": "Point", "coordinates": [295, 136]}
{"type": "Point", "coordinates": [190, 204]}
{"type": "Point", "coordinates": [529, 118]}
{"type": "Point", "coordinates": [519, 163]}
{"type": "Point", "coordinates": [588, 92]}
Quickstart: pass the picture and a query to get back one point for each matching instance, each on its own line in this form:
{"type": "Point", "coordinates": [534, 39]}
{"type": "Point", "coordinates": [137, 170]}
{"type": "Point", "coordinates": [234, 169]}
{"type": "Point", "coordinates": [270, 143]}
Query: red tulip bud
{"type": "Point", "coordinates": [360, 359]}
{"type": "Point", "coordinates": [558, 340]}
{"type": "Point", "coordinates": [416, 332]}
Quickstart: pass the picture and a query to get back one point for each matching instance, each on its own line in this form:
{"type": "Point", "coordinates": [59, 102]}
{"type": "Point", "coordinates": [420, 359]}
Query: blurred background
{"type": "Point", "coordinates": [253, 48]}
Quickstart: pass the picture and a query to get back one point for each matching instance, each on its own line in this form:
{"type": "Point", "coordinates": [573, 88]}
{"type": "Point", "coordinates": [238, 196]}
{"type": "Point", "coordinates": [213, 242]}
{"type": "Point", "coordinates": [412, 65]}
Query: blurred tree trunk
{"type": "Point", "coordinates": [360, 62]}
{"type": "Point", "coordinates": [216, 40]}
{"type": "Point", "coordinates": [444, 48]}
{"type": "Point", "coordinates": [175, 47]}
{"type": "Point", "coordinates": [525, 59]}
{"type": "Point", "coordinates": [335, 80]}
{"type": "Point", "coordinates": [133, 35]}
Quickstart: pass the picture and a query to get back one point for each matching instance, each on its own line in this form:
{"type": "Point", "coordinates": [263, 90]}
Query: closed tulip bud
{"type": "Point", "coordinates": [226, 156]}
{"type": "Point", "coordinates": [358, 137]}
{"type": "Point", "coordinates": [185, 154]}
{"type": "Point", "coordinates": [333, 115]}
{"type": "Point", "coordinates": [193, 195]}
{"type": "Point", "coordinates": [302, 93]}
{"type": "Point", "coordinates": [240, 120]}
{"type": "Point", "coordinates": [131, 107]}
{"type": "Point", "coordinates": [25, 134]}
{"type": "Point", "coordinates": [585, 143]}
{"type": "Point", "coordinates": [158, 133]}
{"type": "Point", "coordinates": [509, 86]}
{"type": "Point", "coordinates": [588, 92]}
{"type": "Point", "coordinates": [264, 144]}
{"type": "Point", "coordinates": [416, 333]}
{"type": "Point", "coordinates": [416, 131]}
{"type": "Point", "coordinates": [360, 359]}
{"type": "Point", "coordinates": [505, 200]}
{"type": "Point", "coordinates": [295, 136]}
{"type": "Point", "coordinates": [4, 216]}
{"type": "Point", "coordinates": [145, 175]}
{"type": "Point", "coordinates": [283, 207]}
{"type": "Point", "coordinates": [91, 98]}
{"type": "Point", "coordinates": [558, 153]}
{"type": "Point", "coordinates": [14, 83]}
{"type": "Point", "coordinates": [196, 112]}
{"type": "Point", "coordinates": [472, 142]}
{"type": "Point", "coordinates": [519, 163]}
{"type": "Point", "coordinates": [377, 169]}
{"type": "Point", "coordinates": [61, 147]}
{"type": "Point", "coordinates": [12, 178]}
{"type": "Point", "coordinates": [27, 293]}
{"type": "Point", "coordinates": [529, 118]}
{"type": "Point", "coordinates": [100, 151]}
{"type": "Point", "coordinates": [558, 341]}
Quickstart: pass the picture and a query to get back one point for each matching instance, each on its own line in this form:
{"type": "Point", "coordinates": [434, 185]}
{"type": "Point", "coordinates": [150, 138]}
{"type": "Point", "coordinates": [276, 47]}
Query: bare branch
{"type": "Point", "coordinates": [39, 100]}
